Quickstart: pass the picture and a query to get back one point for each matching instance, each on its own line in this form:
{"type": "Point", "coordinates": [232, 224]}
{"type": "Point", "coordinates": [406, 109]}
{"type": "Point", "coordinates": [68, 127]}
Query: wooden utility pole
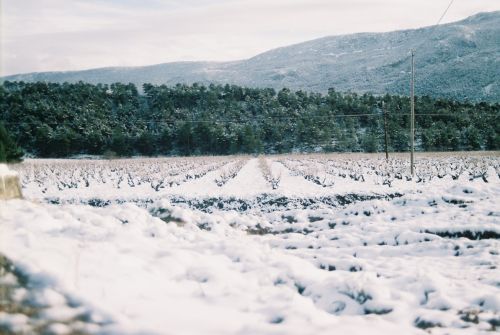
{"type": "Point", "coordinates": [385, 130]}
{"type": "Point", "coordinates": [412, 121]}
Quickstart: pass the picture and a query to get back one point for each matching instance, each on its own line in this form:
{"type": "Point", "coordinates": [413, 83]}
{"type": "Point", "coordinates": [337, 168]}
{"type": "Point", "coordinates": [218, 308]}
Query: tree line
{"type": "Point", "coordinates": [63, 119]}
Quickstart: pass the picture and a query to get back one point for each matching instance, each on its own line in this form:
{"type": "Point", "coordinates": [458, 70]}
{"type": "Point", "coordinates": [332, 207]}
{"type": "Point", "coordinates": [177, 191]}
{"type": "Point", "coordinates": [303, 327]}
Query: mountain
{"type": "Point", "coordinates": [459, 60]}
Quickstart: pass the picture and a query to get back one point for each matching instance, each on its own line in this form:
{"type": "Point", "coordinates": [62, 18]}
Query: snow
{"type": "Point", "coordinates": [71, 185]}
{"type": "Point", "coordinates": [292, 260]}
{"type": "Point", "coordinates": [5, 171]}
{"type": "Point", "coordinates": [14, 322]}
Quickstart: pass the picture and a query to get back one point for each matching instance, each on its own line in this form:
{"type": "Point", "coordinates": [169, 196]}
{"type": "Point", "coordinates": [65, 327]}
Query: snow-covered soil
{"type": "Point", "coordinates": [275, 245]}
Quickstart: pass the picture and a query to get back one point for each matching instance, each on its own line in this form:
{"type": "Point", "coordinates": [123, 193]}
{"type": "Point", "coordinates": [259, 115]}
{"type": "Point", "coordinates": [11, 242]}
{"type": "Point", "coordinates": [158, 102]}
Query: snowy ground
{"type": "Point", "coordinates": [282, 245]}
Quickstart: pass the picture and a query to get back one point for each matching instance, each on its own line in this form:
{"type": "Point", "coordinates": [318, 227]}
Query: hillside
{"type": "Point", "coordinates": [458, 60]}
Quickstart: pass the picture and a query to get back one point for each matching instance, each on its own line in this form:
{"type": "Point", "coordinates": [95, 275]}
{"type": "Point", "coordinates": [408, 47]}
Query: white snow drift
{"type": "Point", "coordinates": [247, 257]}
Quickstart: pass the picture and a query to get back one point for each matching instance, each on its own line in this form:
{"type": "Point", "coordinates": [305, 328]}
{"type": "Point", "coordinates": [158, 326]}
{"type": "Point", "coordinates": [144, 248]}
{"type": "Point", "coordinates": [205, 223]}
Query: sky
{"type": "Point", "coordinates": [62, 35]}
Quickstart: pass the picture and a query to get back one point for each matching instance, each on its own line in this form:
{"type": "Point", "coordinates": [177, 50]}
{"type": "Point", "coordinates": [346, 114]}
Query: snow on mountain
{"type": "Point", "coordinates": [458, 60]}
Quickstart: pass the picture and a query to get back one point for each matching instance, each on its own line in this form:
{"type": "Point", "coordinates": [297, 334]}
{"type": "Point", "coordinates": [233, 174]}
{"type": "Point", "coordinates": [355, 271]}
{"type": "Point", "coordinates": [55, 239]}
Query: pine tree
{"type": "Point", "coordinates": [3, 154]}
{"type": "Point", "coordinates": [9, 151]}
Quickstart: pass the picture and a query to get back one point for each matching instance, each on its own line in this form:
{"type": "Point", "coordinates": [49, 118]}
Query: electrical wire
{"type": "Point", "coordinates": [433, 28]}
{"type": "Point", "coordinates": [260, 119]}
{"type": "Point", "coordinates": [444, 13]}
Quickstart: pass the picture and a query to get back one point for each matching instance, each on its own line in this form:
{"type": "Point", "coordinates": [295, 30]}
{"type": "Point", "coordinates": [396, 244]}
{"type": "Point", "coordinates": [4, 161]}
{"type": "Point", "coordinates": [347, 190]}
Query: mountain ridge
{"type": "Point", "coordinates": [457, 60]}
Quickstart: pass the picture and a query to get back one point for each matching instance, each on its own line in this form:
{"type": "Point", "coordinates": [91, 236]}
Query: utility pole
{"type": "Point", "coordinates": [385, 130]}
{"type": "Point", "coordinates": [412, 121]}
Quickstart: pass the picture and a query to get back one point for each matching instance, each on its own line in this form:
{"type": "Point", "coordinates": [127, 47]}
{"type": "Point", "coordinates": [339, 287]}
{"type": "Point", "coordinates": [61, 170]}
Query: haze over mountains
{"type": "Point", "coordinates": [459, 60]}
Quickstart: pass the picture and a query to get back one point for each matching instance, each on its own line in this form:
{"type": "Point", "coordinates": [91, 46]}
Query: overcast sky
{"type": "Point", "coordinates": [53, 35]}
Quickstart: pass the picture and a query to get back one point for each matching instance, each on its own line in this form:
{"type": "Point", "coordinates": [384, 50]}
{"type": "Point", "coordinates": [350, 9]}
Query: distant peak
{"type": "Point", "coordinates": [483, 16]}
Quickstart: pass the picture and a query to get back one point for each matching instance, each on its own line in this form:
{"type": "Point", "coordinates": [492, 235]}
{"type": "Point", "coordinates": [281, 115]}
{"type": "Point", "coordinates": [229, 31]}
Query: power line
{"type": "Point", "coordinates": [432, 29]}
{"type": "Point", "coordinates": [444, 13]}
{"type": "Point", "coordinates": [262, 119]}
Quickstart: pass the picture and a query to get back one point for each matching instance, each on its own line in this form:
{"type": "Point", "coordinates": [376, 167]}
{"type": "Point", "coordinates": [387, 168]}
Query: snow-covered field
{"type": "Point", "coordinates": [332, 244]}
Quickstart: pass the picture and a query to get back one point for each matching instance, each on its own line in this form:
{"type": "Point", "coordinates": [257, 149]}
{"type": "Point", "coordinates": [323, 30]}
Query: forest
{"type": "Point", "coordinates": [63, 120]}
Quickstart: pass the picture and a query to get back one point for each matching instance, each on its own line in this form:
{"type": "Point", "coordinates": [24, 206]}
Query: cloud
{"type": "Point", "coordinates": [50, 35]}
